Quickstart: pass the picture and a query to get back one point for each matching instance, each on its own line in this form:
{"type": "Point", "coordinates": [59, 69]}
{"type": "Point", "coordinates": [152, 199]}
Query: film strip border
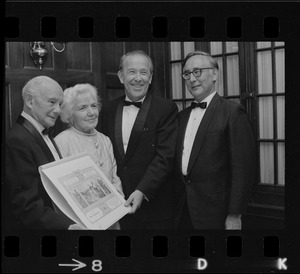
{"type": "Point", "coordinates": [108, 21]}
{"type": "Point", "coordinates": [86, 28]}
{"type": "Point", "coordinates": [145, 252]}
{"type": "Point", "coordinates": [260, 251]}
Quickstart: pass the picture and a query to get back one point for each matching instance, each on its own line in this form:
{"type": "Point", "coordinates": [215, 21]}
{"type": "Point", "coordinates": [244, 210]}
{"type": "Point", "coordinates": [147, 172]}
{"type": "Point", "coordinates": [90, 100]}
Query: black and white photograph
{"type": "Point", "coordinates": [187, 109]}
{"type": "Point", "coordinates": [204, 149]}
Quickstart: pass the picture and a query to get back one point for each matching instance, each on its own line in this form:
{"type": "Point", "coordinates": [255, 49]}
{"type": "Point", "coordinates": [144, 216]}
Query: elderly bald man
{"type": "Point", "coordinates": [28, 146]}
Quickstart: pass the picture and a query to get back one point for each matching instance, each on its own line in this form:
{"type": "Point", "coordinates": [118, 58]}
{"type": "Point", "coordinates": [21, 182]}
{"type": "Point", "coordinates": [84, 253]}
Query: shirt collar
{"type": "Point", "coordinates": [207, 99]}
{"type": "Point", "coordinates": [34, 122]}
{"type": "Point", "coordinates": [141, 100]}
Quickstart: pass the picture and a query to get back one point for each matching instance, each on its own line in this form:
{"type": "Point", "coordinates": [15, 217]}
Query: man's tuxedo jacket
{"type": "Point", "coordinates": [221, 168]}
{"type": "Point", "coordinates": [150, 153]}
{"type": "Point", "coordinates": [28, 205]}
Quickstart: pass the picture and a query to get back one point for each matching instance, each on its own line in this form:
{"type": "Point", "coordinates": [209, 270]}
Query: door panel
{"type": "Point", "coordinates": [79, 56]}
{"type": "Point", "coordinates": [144, 46]}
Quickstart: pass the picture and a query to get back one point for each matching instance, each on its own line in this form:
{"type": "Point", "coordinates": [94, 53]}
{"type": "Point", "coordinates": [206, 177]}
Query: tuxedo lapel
{"type": "Point", "coordinates": [55, 146]}
{"type": "Point", "coordinates": [202, 131]}
{"type": "Point", "coordinates": [26, 124]}
{"type": "Point", "coordinates": [138, 126]}
{"type": "Point", "coordinates": [118, 128]}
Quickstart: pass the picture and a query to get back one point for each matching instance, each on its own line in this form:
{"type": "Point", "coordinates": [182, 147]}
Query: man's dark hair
{"type": "Point", "coordinates": [197, 52]}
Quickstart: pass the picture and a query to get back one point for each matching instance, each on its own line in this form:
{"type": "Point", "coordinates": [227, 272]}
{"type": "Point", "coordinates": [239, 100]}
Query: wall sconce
{"type": "Point", "coordinates": [39, 53]}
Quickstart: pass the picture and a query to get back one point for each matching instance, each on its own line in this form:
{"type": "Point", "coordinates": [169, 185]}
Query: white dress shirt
{"type": "Point", "coordinates": [129, 115]}
{"type": "Point", "coordinates": [191, 131]}
{"type": "Point", "coordinates": [40, 128]}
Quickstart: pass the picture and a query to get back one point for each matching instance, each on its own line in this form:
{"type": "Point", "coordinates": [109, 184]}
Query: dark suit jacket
{"type": "Point", "coordinates": [28, 205]}
{"type": "Point", "coordinates": [221, 169]}
{"type": "Point", "coordinates": [150, 152]}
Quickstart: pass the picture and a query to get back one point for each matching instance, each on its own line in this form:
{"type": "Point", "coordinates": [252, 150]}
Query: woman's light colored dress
{"type": "Point", "coordinates": [98, 146]}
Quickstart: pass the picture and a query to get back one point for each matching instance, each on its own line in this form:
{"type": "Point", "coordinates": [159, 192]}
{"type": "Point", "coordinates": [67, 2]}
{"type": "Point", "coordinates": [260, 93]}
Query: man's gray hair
{"type": "Point", "coordinates": [197, 52]}
{"type": "Point", "coordinates": [140, 52]}
{"type": "Point", "coordinates": [35, 85]}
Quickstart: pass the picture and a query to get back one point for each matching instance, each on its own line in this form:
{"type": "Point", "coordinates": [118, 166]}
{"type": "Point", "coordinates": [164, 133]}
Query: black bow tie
{"type": "Point", "coordinates": [199, 105]}
{"type": "Point", "coordinates": [136, 104]}
{"type": "Point", "coordinates": [47, 131]}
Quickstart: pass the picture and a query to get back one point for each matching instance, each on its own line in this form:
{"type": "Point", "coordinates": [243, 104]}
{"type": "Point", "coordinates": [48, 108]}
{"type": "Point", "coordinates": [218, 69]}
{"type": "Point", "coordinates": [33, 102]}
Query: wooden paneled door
{"type": "Point", "coordinates": [78, 63]}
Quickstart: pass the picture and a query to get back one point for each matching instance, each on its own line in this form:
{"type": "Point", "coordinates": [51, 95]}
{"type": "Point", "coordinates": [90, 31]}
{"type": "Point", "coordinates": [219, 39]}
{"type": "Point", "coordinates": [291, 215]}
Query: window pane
{"type": "Point", "coordinates": [179, 105]}
{"type": "Point", "coordinates": [188, 47]}
{"type": "Point", "coordinates": [279, 44]}
{"type": "Point", "coordinates": [233, 83]}
{"type": "Point", "coordinates": [176, 81]}
{"type": "Point", "coordinates": [279, 58]}
{"type": "Point", "coordinates": [265, 118]}
{"type": "Point", "coordinates": [175, 51]}
{"type": "Point", "coordinates": [187, 93]}
{"type": "Point", "coordinates": [264, 72]}
{"type": "Point", "coordinates": [215, 48]}
{"type": "Point", "coordinates": [219, 83]}
{"type": "Point", "coordinates": [266, 163]}
{"type": "Point", "coordinates": [261, 45]}
{"type": "Point", "coordinates": [188, 103]}
{"type": "Point", "coordinates": [280, 117]}
{"type": "Point", "coordinates": [281, 164]}
{"type": "Point", "coordinates": [232, 46]}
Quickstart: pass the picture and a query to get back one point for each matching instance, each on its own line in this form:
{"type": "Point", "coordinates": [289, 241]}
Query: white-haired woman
{"type": "Point", "coordinates": [80, 110]}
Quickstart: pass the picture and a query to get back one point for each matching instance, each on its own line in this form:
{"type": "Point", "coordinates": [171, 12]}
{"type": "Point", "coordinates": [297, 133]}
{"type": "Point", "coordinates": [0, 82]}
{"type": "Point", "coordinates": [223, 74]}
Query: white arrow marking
{"type": "Point", "coordinates": [78, 265]}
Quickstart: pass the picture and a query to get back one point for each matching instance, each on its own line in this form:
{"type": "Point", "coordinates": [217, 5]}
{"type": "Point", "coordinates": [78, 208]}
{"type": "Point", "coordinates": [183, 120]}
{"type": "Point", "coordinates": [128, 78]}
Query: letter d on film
{"type": "Point", "coordinates": [202, 264]}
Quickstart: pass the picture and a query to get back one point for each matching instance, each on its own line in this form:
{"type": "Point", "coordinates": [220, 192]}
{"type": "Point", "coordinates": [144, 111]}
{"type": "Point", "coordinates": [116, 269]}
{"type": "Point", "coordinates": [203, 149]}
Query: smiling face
{"type": "Point", "coordinates": [204, 85]}
{"type": "Point", "coordinates": [85, 112]}
{"type": "Point", "coordinates": [45, 105]}
{"type": "Point", "coordinates": [136, 76]}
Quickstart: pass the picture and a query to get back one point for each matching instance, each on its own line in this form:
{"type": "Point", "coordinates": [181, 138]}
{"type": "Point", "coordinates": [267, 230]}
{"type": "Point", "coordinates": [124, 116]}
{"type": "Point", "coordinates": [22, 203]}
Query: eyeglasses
{"type": "Point", "coordinates": [196, 72]}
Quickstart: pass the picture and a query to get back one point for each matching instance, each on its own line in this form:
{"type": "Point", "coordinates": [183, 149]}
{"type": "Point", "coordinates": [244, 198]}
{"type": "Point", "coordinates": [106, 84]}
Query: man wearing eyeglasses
{"type": "Point", "coordinates": [215, 152]}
